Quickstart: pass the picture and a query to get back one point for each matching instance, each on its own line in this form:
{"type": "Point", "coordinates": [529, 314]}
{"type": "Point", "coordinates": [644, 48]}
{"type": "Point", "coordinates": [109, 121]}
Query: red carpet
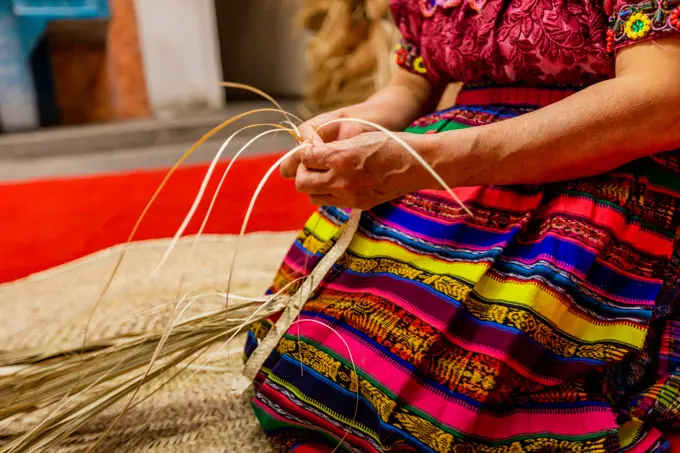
{"type": "Point", "coordinates": [50, 222]}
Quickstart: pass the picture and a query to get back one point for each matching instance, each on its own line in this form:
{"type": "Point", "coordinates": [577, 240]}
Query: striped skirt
{"type": "Point", "coordinates": [546, 322]}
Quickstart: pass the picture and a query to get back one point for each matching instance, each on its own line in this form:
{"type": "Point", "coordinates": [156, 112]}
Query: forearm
{"type": "Point", "coordinates": [594, 131]}
{"type": "Point", "coordinates": [403, 100]}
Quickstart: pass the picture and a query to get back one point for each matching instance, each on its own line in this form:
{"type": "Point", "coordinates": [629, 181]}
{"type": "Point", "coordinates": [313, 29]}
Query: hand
{"type": "Point", "coordinates": [312, 131]}
{"type": "Point", "coordinates": [363, 171]}
{"type": "Point", "coordinates": [394, 107]}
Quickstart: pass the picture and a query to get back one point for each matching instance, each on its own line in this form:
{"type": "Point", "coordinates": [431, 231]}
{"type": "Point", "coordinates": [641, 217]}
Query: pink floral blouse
{"type": "Point", "coordinates": [556, 42]}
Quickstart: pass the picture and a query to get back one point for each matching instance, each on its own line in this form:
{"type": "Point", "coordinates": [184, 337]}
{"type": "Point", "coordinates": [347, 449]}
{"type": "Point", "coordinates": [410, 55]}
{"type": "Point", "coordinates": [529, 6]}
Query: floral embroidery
{"type": "Point", "coordinates": [675, 18]}
{"type": "Point", "coordinates": [648, 18]}
{"type": "Point", "coordinates": [638, 26]}
{"type": "Point", "coordinates": [530, 41]}
{"type": "Point", "coordinates": [419, 66]}
{"type": "Point", "coordinates": [408, 57]}
{"type": "Point", "coordinates": [610, 40]}
{"type": "Point", "coordinates": [429, 7]}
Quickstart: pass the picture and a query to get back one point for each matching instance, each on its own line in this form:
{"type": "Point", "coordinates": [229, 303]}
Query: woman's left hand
{"type": "Point", "coordinates": [363, 171]}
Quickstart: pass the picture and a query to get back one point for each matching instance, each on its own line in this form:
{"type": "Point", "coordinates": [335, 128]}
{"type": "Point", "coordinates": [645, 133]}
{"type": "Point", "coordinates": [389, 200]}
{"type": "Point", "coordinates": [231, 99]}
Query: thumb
{"type": "Point", "coordinates": [319, 131]}
{"type": "Point", "coordinates": [308, 131]}
{"type": "Point", "coordinates": [289, 166]}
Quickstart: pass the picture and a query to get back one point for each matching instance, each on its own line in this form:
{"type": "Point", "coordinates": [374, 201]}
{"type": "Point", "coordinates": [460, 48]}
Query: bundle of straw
{"type": "Point", "coordinates": [41, 340]}
{"type": "Point", "coordinates": [350, 53]}
{"type": "Point", "coordinates": [106, 372]}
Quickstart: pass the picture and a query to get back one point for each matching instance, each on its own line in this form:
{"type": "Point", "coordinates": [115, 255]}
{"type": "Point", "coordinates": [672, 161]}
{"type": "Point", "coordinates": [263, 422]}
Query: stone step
{"type": "Point", "coordinates": [139, 134]}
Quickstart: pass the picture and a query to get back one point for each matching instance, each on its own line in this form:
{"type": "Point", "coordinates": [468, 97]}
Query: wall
{"type": "Point", "coordinates": [18, 108]}
{"type": "Point", "coordinates": [105, 70]}
{"type": "Point", "coordinates": [181, 54]}
{"type": "Point", "coordinates": [260, 45]}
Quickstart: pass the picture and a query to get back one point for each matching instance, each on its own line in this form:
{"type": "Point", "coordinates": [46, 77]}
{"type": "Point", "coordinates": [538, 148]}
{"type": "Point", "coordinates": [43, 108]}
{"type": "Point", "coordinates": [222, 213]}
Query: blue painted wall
{"type": "Point", "coordinates": [22, 23]}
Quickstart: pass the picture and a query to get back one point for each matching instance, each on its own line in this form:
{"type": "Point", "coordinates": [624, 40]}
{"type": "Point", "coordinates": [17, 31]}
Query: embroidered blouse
{"type": "Point", "coordinates": [555, 42]}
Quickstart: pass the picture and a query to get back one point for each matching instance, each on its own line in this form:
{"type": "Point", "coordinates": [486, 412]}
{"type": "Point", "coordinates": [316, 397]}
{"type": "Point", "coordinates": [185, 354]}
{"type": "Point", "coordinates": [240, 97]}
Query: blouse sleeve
{"type": "Point", "coordinates": [631, 21]}
{"type": "Point", "coordinates": [408, 19]}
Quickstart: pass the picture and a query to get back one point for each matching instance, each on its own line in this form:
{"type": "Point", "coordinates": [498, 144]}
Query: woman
{"type": "Point", "coordinates": [546, 322]}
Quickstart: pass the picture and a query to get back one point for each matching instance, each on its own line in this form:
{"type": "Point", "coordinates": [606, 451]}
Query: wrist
{"type": "Point", "coordinates": [430, 148]}
{"type": "Point", "coordinates": [393, 107]}
{"type": "Point", "coordinates": [454, 157]}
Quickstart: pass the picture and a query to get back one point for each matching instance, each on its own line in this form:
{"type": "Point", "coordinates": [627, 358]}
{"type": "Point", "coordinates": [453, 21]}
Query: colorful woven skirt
{"type": "Point", "coordinates": [547, 322]}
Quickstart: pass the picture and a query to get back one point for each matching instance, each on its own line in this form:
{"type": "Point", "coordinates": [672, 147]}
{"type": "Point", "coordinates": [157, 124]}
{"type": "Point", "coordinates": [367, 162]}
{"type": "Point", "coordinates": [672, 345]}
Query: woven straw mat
{"type": "Point", "coordinates": [51, 308]}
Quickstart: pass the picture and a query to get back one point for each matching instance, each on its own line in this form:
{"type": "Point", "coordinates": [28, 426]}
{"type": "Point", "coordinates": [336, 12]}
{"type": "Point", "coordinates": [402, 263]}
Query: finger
{"type": "Point", "coordinates": [326, 200]}
{"type": "Point", "coordinates": [329, 132]}
{"type": "Point", "coordinates": [289, 166]}
{"type": "Point", "coordinates": [312, 182]}
{"type": "Point", "coordinates": [316, 130]}
{"type": "Point", "coordinates": [350, 130]}
{"type": "Point", "coordinates": [308, 132]}
{"type": "Point", "coordinates": [316, 158]}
